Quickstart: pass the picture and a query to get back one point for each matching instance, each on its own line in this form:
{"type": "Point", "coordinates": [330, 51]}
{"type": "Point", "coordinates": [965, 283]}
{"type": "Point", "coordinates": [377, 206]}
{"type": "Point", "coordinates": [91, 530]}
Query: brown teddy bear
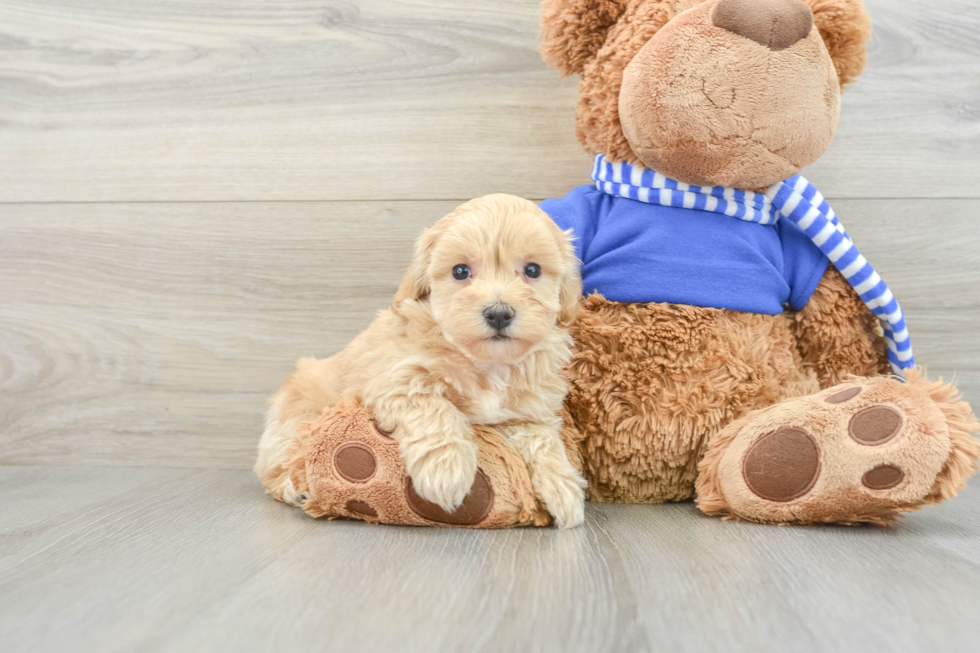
{"type": "Point", "coordinates": [712, 352]}
{"type": "Point", "coordinates": [719, 353]}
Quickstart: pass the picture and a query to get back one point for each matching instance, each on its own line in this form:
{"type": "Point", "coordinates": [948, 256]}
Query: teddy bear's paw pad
{"type": "Point", "coordinates": [849, 454]}
{"type": "Point", "coordinates": [474, 509]}
{"type": "Point", "coordinates": [783, 465]}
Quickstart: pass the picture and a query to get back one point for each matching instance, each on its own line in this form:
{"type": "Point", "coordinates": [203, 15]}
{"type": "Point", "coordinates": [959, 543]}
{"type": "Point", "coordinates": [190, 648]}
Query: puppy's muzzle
{"type": "Point", "coordinates": [498, 317]}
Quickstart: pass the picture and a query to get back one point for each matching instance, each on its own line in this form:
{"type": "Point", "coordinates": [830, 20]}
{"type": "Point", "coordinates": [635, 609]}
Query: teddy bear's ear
{"type": "Point", "coordinates": [846, 29]}
{"type": "Point", "coordinates": [572, 31]}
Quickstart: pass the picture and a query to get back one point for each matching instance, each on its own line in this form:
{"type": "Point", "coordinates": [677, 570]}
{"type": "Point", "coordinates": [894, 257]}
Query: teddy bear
{"type": "Point", "coordinates": [733, 345]}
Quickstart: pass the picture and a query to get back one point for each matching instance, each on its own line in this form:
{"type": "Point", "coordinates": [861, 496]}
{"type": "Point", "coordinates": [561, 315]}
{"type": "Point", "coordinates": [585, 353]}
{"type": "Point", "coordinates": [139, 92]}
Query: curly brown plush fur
{"type": "Point", "coordinates": [651, 383]}
{"type": "Point", "coordinates": [845, 27]}
{"type": "Point", "coordinates": [572, 32]}
{"type": "Point", "coordinates": [837, 335]}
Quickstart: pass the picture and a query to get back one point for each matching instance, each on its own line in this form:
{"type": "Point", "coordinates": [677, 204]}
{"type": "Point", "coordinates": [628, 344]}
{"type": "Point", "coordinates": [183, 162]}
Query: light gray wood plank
{"type": "Point", "coordinates": [801, 589]}
{"type": "Point", "coordinates": [120, 573]}
{"type": "Point", "coordinates": [184, 560]}
{"type": "Point", "coordinates": [151, 334]}
{"type": "Point", "coordinates": [380, 99]}
{"type": "Point", "coordinates": [41, 508]}
{"type": "Point", "coordinates": [206, 100]}
{"type": "Point", "coordinates": [909, 125]}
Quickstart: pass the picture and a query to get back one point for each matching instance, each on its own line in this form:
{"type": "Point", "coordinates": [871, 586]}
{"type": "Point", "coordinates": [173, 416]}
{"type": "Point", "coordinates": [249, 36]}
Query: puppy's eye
{"type": "Point", "coordinates": [461, 272]}
{"type": "Point", "coordinates": [532, 270]}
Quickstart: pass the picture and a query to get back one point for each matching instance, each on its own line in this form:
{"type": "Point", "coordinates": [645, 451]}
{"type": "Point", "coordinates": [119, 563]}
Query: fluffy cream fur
{"type": "Point", "coordinates": [431, 367]}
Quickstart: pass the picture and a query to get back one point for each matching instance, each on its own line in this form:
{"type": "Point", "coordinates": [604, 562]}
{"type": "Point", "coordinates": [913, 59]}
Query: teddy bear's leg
{"type": "Point", "coordinates": [343, 465]}
{"type": "Point", "coordinates": [650, 384]}
{"type": "Point", "coordinates": [862, 451]}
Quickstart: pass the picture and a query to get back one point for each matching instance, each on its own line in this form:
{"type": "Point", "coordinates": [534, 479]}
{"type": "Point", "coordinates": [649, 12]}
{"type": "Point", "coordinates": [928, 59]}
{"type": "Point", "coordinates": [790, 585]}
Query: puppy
{"type": "Point", "coordinates": [477, 334]}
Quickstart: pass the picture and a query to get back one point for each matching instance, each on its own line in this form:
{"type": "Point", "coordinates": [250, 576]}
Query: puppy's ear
{"type": "Point", "coordinates": [570, 289]}
{"type": "Point", "coordinates": [416, 284]}
{"type": "Point", "coordinates": [845, 27]}
{"type": "Point", "coordinates": [572, 31]}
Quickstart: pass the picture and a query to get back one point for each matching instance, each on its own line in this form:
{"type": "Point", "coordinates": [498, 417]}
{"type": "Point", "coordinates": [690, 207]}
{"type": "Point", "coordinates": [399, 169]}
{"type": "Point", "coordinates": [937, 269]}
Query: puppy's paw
{"type": "Point", "coordinates": [444, 474]}
{"type": "Point", "coordinates": [286, 493]}
{"type": "Point", "coordinates": [563, 494]}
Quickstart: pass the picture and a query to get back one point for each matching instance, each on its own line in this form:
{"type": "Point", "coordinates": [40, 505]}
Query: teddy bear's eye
{"type": "Point", "coordinates": [532, 270]}
{"type": "Point", "coordinates": [461, 272]}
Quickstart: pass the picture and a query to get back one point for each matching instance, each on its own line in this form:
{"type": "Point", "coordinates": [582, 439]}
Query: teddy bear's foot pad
{"type": "Point", "coordinates": [345, 466]}
{"type": "Point", "coordinates": [863, 451]}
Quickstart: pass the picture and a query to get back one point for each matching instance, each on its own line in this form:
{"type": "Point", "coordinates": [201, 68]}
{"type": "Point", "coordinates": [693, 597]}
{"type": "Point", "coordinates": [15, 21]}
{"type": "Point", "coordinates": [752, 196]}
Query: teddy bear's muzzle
{"type": "Point", "coordinates": [776, 24]}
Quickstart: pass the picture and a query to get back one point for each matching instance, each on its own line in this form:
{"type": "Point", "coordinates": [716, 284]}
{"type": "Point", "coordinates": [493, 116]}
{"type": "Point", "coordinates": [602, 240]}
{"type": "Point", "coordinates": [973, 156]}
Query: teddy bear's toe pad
{"type": "Point", "coordinates": [857, 452]}
{"type": "Point", "coordinates": [355, 462]}
{"type": "Point", "coordinates": [875, 425]}
{"type": "Point", "coordinates": [361, 508]}
{"type": "Point", "coordinates": [883, 477]}
{"type": "Point", "coordinates": [474, 509]}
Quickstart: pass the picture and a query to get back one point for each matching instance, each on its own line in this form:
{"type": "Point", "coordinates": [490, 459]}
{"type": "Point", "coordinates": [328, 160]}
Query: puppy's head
{"type": "Point", "coordinates": [498, 275]}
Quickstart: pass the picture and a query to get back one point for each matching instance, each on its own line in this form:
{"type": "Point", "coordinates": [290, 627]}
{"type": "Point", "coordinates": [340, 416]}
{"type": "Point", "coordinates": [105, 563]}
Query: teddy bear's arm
{"type": "Point", "coordinates": [837, 335]}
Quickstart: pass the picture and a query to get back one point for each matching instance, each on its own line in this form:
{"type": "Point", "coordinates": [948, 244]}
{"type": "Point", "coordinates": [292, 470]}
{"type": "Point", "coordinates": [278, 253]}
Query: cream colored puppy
{"type": "Point", "coordinates": [477, 334]}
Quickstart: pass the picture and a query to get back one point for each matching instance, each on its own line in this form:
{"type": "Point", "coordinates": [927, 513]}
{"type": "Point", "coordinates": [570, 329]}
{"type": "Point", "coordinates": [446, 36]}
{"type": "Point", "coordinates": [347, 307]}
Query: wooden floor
{"type": "Point", "coordinates": [121, 559]}
{"type": "Point", "coordinates": [194, 193]}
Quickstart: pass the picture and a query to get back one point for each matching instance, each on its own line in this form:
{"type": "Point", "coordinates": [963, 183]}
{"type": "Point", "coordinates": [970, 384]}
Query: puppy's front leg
{"type": "Point", "coordinates": [436, 443]}
{"type": "Point", "coordinates": [556, 482]}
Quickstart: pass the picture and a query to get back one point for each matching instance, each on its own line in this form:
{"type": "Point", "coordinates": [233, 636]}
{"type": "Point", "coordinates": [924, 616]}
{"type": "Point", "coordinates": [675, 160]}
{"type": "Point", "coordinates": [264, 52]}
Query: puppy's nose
{"type": "Point", "coordinates": [776, 24]}
{"type": "Point", "coordinates": [499, 317]}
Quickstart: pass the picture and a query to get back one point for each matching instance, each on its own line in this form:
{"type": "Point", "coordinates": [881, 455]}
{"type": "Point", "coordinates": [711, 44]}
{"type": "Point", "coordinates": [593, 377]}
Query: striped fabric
{"type": "Point", "coordinates": [794, 199]}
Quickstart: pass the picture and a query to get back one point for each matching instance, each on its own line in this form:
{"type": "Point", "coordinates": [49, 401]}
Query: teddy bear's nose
{"type": "Point", "coordinates": [776, 24]}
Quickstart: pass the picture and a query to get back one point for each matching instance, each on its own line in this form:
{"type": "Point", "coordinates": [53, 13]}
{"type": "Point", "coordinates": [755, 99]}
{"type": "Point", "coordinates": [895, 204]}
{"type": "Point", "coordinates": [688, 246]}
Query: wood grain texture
{"type": "Point", "coordinates": [151, 334]}
{"type": "Point", "coordinates": [140, 336]}
{"type": "Point", "coordinates": [111, 100]}
{"type": "Point", "coordinates": [181, 560]}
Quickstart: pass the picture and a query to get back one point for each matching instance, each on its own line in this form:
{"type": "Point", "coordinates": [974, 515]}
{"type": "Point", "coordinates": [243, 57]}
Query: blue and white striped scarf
{"type": "Point", "coordinates": [794, 199]}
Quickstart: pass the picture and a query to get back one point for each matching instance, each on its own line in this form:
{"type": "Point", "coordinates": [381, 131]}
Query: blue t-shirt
{"type": "Point", "coordinates": [632, 251]}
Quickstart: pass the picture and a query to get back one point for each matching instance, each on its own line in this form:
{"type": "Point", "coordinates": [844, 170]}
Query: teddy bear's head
{"type": "Point", "coordinates": [739, 93]}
